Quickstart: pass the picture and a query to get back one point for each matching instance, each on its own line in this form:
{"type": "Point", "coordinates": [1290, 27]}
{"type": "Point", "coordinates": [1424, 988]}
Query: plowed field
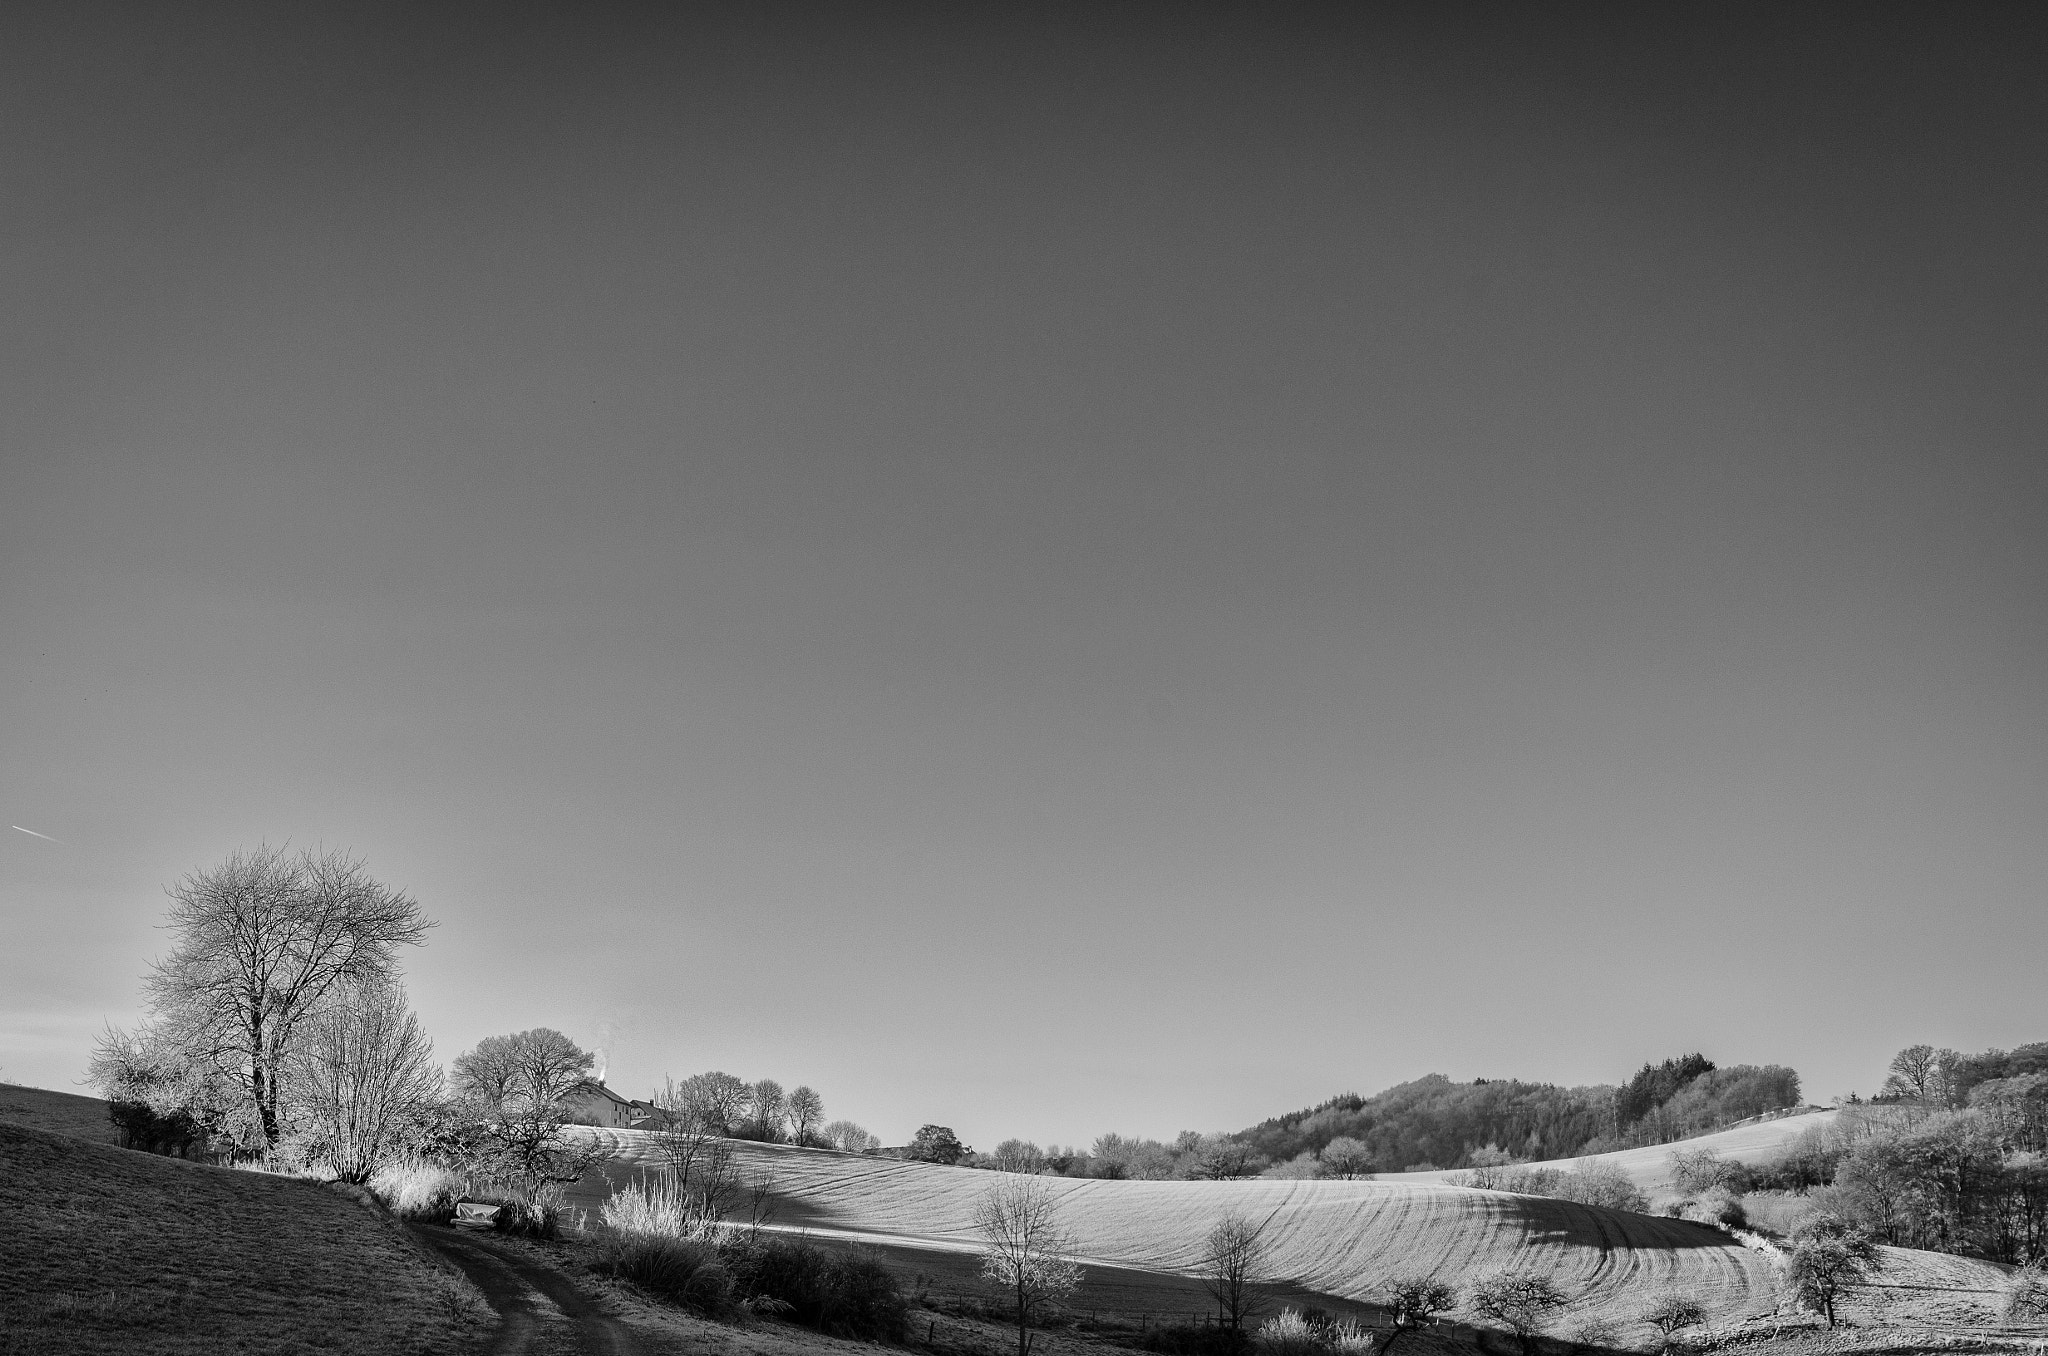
{"type": "Point", "coordinates": [1330, 1238]}
{"type": "Point", "coordinates": [1340, 1239]}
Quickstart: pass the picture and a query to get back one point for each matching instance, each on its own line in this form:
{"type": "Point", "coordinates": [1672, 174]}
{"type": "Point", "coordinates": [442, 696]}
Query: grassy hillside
{"type": "Point", "coordinates": [66, 1113]}
{"type": "Point", "coordinates": [105, 1249]}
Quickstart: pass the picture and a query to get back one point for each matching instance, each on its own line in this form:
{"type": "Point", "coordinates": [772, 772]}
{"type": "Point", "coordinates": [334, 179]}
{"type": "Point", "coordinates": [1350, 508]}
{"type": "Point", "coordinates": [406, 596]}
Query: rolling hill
{"type": "Point", "coordinates": [1758, 1142]}
{"type": "Point", "coordinates": [1332, 1240]}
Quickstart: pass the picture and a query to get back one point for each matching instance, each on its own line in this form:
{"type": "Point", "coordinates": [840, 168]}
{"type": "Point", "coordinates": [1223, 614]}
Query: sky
{"type": "Point", "coordinates": [1044, 570]}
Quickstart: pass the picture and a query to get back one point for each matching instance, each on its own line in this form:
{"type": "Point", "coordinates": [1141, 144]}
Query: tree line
{"type": "Point", "coordinates": [277, 1025]}
{"type": "Point", "coordinates": [1433, 1123]}
{"type": "Point", "coordinates": [1951, 1156]}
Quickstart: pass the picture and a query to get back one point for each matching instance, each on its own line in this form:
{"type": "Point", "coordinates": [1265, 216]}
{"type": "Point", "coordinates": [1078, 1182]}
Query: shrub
{"type": "Point", "coordinates": [535, 1215]}
{"type": "Point", "coordinates": [1348, 1338]}
{"type": "Point", "coordinates": [2026, 1295]}
{"type": "Point", "coordinates": [1310, 1334]}
{"type": "Point", "coordinates": [1809, 1161]}
{"type": "Point", "coordinates": [846, 1293]}
{"type": "Point", "coordinates": [1703, 1170]}
{"type": "Point", "coordinates": [1288, 1334]}
{"type": "Point", "coordinates": [1298, 1168]}
{"type": "Point", "coordinates": [657, 1206]}
{"type": "Point", "coordinates": [1526, 1303]}
{"type": "Point", "coordinates": [1669, 1312]}
{"type": "Point", "coordinates": [1718, 1208]}
{"type": "Point", "coordinates": [1591, 1182]}
{"type": "Point", "coordinates": [175, 1133]}
{"type": "Point", "coordinates": [1594, 1331]}
{"type": "Point", "coordinates": [1412, 1301]}
{"type": "Point", "coordinates": [418, 1188]}
{"type": "Point", "coordinates": [685, 1271]}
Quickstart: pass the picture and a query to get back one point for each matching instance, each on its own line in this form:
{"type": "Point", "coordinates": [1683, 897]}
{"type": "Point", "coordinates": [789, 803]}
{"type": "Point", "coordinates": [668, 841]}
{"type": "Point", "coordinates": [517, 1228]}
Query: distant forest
{"type": "Point", "coordinates": [1435, 1123]}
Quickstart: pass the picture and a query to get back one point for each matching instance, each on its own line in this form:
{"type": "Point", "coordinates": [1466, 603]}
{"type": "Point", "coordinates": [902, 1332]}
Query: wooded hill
{"type": "Point", "coordinates": [1435, 1123]}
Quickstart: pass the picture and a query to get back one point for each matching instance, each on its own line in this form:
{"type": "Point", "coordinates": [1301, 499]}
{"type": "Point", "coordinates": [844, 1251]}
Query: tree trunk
{"type": "Point", "coordinates": [265, 1089]}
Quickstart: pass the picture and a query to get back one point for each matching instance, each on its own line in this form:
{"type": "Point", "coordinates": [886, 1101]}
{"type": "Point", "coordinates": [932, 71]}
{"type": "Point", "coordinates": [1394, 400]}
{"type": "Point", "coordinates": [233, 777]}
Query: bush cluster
{"type": "Point", "coordinates": [1312, 1334]}
{"type": "Point", "coordinates": [2026, 1295]}
{"type": "Point", "coordinates": [419, 1189]}
{"type": "Point", "coordinates": [176, 1133]}
{"type": "Point", "coordinates": [524, 1215]}
{"type": "Point", "coordinates": [1589, 1182]}
{"type": "Point", "coordinates": [684, 1256]}
{"type": "Point", "coordinates": [1719, 1207]}
{"type": "Point", "coordinates": [839, 1292]}
{"type": "Point", "coordinates": [685, 1271]}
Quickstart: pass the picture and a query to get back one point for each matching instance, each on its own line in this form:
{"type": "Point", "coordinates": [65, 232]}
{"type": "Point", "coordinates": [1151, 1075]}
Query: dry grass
{"type": "Point", "coordinates": [416, 1188]}
{"type": "Point", "coordinates": [1779, 1212]}
{"type": "Point", "coordinates": [107, 1250]}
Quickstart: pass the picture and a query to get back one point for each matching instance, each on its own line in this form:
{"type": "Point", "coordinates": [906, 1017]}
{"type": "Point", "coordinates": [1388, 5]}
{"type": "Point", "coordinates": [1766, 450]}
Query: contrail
{"type": "Point", "coordinates": [32, 833]}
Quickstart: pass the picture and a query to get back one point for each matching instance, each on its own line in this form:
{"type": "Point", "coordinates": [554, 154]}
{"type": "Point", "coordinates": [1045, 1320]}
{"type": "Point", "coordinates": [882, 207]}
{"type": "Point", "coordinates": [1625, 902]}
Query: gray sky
{"type": "Point", "coordinates": [1049, 573]}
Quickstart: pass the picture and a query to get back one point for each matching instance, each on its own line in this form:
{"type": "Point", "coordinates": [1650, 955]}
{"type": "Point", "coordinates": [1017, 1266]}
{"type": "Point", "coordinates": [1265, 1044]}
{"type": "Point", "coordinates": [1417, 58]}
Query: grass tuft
{"type": "Point", "coordinates": [419, 1189]}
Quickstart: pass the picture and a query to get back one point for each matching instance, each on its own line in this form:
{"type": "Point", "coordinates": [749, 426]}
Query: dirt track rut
{"type": "Point", "coordinates": [541, 1311]}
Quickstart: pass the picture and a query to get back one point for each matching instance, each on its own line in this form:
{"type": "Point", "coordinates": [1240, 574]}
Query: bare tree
{"type": "Point", "coordinates": [1697, 1170]}
{"type": "Point", "coordinates": [1346, 1157]}
{"type": "Point", "coordinates": [1234, 1266]}
{"type": "Point", "coordinates": [1669, 1312]}
{"type": "Point", "coordinates": [1412, 1301]}
{"type": "Point", "coordinates": [1526, 1303]}
{"type": "Point", "coordinates": [771, 1110]}
{"type": "Point", "coordinates": [512, 1089]}
{"type": "Point", "coordinates": [263, 939]}
{"type": "Point", "coordinates": [700, 1163]}
{"type": "Point", "coordinates": [806, 1114]}
{"type": "Point", "coordinates": [849, 1138]}
{"type": "Point", "coordinates": [1945, 1083]}
{"type": "Point", "coordinates": [1912, 1073]}
{"type": "Point", "coordinates": [1220, 1158]}
{"type": "Point", "coordinates": [1827, 1258]}
{"type": "Point", "coordinates": [365, 1079]}
{"type": "Point", "coordinates": [717, 1102]}
{"type": "Point", "coordinates": [677, 1134]}
{"type": "Point", "coordinates": [1023, 1249]}
{"type": "Point", "coordinates": [1016, 1155]}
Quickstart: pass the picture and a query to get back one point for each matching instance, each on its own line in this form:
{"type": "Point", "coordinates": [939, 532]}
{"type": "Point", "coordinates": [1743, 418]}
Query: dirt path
{"type": "Point", "coordinates": [542, 1312]}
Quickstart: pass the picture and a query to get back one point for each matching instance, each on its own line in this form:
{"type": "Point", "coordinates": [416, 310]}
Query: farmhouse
{"type": "Point", "coordinates": [592, 1103]}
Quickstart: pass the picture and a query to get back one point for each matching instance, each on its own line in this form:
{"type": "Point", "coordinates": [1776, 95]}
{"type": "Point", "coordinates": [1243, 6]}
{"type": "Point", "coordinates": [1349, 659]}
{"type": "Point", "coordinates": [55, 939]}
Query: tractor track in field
{"type": "Point", "coordinates": [541, 1311]}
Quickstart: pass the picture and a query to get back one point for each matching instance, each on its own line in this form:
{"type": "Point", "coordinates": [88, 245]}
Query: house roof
{"type": "Point", "coordinates": [597, 1086]}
